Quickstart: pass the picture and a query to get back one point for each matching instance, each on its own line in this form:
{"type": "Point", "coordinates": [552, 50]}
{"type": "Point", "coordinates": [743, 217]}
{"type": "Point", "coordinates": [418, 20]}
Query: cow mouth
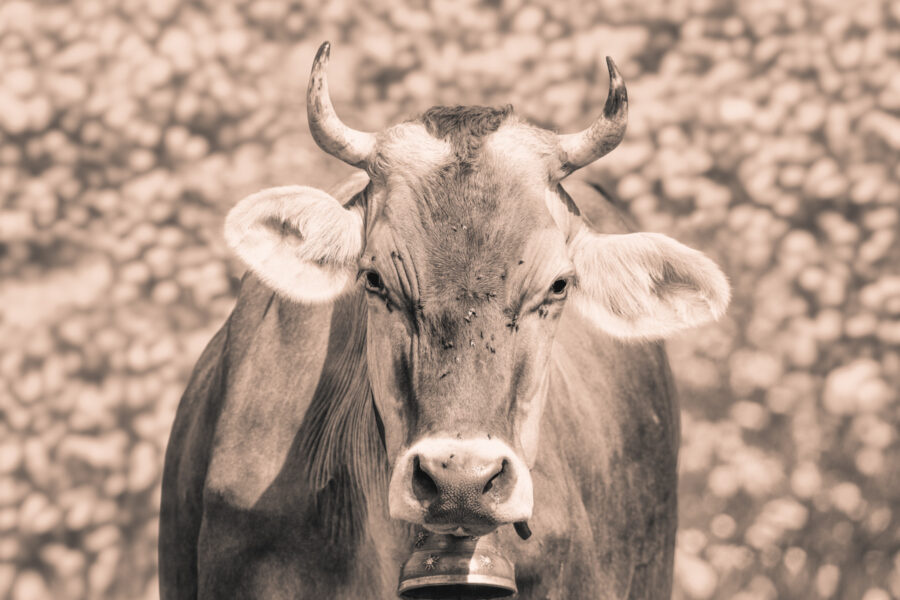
{"type": "Point", "coordinates": [521, 528]}
{"type": "Point", "coordinates": [450, 566]}
{"type": "Point", "coordinates": [460, 531]}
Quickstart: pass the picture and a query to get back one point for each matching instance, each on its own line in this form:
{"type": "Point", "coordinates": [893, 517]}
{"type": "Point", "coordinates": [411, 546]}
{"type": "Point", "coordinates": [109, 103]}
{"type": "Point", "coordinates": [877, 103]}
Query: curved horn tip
{"type": "Point", "coordinates": [581, 149]}
{"type": "Point", "coordinates": [611, 66]}
{"type": "Point", "coordinates": [617, 98]}
{"type": "Point", "coordinates": [615, 77]}
{"type": "Point", "coordinates": [324, 52]}
{"type": "Point", "coordinates": [351, 146]}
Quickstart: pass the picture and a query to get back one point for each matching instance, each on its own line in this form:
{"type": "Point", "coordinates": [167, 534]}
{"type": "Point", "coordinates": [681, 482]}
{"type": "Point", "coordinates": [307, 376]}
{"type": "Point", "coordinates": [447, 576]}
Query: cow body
{"type": "Point", "coordinates": [452, 344]}
{"type": "Point", "coordinates": [276, 477]}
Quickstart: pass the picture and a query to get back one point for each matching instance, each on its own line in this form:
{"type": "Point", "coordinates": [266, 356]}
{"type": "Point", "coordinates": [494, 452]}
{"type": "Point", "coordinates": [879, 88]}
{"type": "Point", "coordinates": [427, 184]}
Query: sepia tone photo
{"type": "Point", "coordinates": [450, 299]}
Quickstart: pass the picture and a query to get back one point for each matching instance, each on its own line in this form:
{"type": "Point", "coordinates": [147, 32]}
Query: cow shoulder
{"type": "Point", "coordinates": [619, 438]}
{"type": "Point", "coordinates": [186, 461]}
{"type": "Point", "coordinates": [276, 348]}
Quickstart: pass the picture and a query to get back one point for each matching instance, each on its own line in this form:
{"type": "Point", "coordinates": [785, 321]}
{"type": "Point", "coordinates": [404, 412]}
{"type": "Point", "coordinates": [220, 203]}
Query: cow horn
{"type": "Point", "coordinates": [351, 146]}
{"type": "Point", "coordinates": [604, 134]}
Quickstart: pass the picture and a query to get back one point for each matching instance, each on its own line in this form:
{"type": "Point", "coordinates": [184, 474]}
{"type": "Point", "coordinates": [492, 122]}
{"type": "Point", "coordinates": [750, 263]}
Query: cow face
{"type": "Point", "coordinates": [469, 251]}
{"type": "Point", "coordinates": [466, 274]}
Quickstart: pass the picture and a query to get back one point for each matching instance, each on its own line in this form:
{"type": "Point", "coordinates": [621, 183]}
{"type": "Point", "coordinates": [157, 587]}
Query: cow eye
{"type": "Point", "coordinates": [559, 287]}
{"type": "Point", "coordinates": [374, 282]}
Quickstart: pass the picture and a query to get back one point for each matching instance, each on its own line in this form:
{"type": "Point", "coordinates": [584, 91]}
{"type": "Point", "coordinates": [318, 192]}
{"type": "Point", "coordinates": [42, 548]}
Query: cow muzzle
{"type": "Point", "coordinates": [460, 486]}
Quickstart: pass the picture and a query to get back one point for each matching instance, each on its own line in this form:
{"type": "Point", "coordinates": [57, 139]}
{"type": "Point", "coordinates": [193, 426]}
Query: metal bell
{"type": "Point", "coordinates": [448, 566]}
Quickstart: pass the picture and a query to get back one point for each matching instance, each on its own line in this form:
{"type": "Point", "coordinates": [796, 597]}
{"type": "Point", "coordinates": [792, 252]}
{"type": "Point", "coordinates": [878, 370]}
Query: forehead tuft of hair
{"type": "Point", "coordinates": [464, 126]}
{"type": "Point", "coordinates": [478, 121]}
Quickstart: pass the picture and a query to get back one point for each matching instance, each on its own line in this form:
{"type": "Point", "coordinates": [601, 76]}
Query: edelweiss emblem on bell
{"type": "Point", "coordinates": [486, 562]}
{"type": "Point", "coordinates": [431, 562]}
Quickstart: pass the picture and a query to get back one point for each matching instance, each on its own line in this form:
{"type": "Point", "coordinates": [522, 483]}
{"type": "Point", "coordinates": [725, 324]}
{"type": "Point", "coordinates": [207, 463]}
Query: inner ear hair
{"type": "Point", "coordinates": [298, 240]}
{"type": "Point", "coordinates": [646, 285]}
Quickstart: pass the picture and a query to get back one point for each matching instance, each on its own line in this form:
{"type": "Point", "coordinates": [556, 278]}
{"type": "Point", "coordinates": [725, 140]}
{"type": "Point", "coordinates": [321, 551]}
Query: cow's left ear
{"type": "Point", "coordinates": [298, 240]}
{"type": "Point", "coordinates": [645, 285]}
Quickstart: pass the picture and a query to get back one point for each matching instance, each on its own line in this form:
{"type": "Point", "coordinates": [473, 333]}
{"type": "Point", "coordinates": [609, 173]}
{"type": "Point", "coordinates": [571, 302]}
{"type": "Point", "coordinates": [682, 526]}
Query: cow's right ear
{"type": "Point", "coordinates": [298, 240]}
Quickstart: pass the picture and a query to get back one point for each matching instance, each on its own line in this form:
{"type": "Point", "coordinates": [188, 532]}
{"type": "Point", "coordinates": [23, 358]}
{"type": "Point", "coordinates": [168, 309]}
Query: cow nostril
{"type": "Point", "coordinates": [423, 485]}
{"type": "Point", "coordinates": [498, 474]}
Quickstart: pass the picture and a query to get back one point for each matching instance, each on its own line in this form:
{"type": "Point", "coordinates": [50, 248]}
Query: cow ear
{"type": "Point", "coordinates": [645, 285]}
{"type": "Point", "coordinates": [298, 240]}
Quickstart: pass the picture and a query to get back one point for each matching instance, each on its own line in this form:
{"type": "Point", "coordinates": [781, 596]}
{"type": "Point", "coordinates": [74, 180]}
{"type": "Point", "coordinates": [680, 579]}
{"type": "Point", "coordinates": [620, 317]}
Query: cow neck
{"type": "Point", "coordinates": [346, 464]}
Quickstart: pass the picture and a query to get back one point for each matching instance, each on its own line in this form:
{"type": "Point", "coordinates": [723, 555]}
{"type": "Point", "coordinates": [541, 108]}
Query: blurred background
{"type": "Point", "coordinates": [763, 132]}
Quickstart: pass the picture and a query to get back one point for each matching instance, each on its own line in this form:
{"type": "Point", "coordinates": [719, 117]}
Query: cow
{"type": "Point", "coordinates": [449, 342]}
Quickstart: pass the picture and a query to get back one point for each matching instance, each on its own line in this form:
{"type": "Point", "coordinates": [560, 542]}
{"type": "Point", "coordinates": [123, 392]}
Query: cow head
{"type": "Point", "coordinates": [469, 251]}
